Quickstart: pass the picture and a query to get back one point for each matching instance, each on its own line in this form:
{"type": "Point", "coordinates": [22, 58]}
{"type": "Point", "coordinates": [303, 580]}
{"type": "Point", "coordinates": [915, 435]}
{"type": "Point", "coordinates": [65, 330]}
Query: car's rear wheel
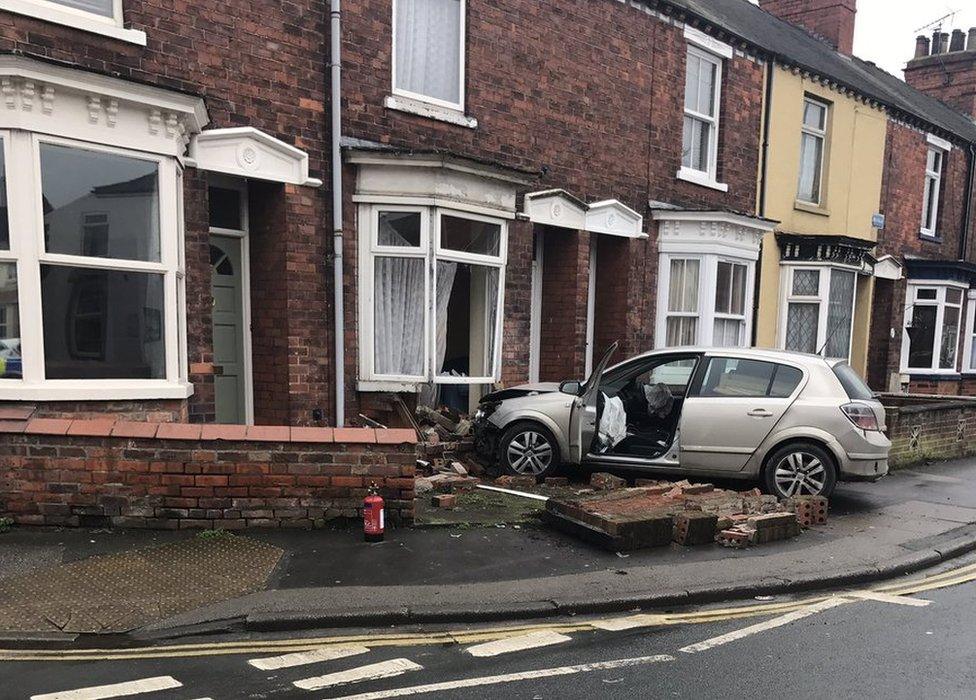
{"type": "Point", "coordinates": [528, 449]}
{"type": "Point", "coordinates": [800, 469]}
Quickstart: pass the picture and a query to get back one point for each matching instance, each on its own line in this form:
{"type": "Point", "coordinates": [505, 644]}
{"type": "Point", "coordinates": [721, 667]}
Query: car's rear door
{"type": "Point", "coordinates": [584, 419]}
{"type": "Point", "coordinates": [733, 404]}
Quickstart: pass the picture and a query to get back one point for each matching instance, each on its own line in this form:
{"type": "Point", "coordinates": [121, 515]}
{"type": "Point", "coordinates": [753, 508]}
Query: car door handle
{"type": "Point", "coordinates": [760, 413]}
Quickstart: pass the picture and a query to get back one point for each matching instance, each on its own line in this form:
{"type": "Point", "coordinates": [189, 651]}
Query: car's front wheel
{"type": "Point", "coordinates": [528, 449]}
{"type": "Point", "coordinates": [800, 469]}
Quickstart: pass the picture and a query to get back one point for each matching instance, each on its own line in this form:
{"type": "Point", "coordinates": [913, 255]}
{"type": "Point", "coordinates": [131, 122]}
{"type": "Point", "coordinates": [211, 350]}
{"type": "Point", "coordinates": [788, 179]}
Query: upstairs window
{"type": "Point", "coordinates": [703, 82]}
{"type": "Point", "coordinates": [813, 142]}
{"type": "Point", "coordinates": [933, 192]}
{"type": "Point", "coordinates": [428, 51]}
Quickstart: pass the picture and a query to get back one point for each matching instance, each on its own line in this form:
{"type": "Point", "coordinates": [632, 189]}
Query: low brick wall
{"type": "Point", "coordinates": [168, 476]}
{"type": "Point", "coordinates": [929, 428]}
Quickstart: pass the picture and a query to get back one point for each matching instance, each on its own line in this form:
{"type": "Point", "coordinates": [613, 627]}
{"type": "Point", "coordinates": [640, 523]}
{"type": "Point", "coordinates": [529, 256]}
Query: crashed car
{"type": "Point", "coordinates": [796, 423]}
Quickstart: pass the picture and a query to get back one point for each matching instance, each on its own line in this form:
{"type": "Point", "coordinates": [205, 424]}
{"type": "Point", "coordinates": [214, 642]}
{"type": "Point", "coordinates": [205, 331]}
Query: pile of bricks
{"type": "Point", "coordinates": [657, 513]}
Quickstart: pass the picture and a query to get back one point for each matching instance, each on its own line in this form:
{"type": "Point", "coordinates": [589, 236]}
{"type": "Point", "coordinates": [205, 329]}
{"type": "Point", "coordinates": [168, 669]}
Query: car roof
{"type": "Point", "coordinates": [773, 354]}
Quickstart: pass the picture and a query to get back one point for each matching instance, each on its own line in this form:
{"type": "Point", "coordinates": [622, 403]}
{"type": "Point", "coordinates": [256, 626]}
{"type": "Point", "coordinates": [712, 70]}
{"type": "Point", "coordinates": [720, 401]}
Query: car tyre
{"type": "Point", "coordinates": [528, 449]}
{"type": "Point", "coordinates": [800, 469]}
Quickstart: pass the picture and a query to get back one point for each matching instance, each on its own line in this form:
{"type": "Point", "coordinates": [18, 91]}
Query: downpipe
{"type": "Point", "coordinates": [970, 203]}
{"type": "Point", "coordinates": [337, 258]}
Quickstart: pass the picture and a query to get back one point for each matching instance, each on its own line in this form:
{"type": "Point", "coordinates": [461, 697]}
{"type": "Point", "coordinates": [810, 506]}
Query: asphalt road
{"type": "Point", "coordinates": [847, 647]}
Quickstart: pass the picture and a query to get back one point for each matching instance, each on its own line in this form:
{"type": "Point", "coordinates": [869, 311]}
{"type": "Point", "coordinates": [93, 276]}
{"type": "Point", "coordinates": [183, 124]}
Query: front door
{"type": "Point", "coordinates": [228, 329]}
{"type": "Point", "coordinates": [735, 407]}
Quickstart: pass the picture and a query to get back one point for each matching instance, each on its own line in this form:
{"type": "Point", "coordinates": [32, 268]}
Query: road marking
{"type": "Point", "coordinates": [888, 598]}
{"type": "Point", "coordinates": [520, 643]}
{"type": "Point", "coordinates": [621, 624]}
{"type": "Point", "coordinates": [116, 690]}
{"type": "Point", "coordinates": [273, 663]}
{"type": "Point", "coordinates": [384, 669]}
{"type": "Point", "coordinates": [764, 626]}
{"type": "Point", "coordinates": [510, 677]}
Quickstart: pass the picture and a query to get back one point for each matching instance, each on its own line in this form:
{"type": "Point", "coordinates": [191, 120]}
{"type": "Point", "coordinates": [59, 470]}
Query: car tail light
{"type": "Point", "coordinates": [861, 415]}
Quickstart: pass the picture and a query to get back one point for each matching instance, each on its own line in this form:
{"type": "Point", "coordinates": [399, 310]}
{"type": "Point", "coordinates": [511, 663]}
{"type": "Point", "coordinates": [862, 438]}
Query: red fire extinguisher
{"type": "Point", "coordinates": [373, 516]}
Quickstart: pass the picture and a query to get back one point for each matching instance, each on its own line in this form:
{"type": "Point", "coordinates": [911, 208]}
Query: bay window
{"type": "Point", "coordinates": [431, 295]}
{"type": "Point", "coordinates": [428, 51]}
{"type": "Point", "coordinates": [819, 310]}
{"type": "Point", "coordinates": [813, 141]}
{"type": "Point", "coordinates": [705, 300]}
{"type": "Point", "coordinates": [933, 192]}
{"type": "Point", "coordinates": [933, 315]}
{"type": "Point", "coordinates": [89, 273]}
{"type": "Point", "coordinates": [97, 16]}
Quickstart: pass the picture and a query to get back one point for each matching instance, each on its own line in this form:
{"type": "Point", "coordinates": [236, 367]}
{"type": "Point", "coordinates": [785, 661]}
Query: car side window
{"type": "Point", "coordinates": [676, 373]}
{"type": "Point", "coordinates": [739, 378]}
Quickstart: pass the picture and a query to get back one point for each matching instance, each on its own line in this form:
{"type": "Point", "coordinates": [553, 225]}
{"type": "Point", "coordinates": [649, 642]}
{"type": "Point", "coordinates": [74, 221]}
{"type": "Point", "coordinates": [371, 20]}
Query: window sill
{"type": "Point", "coordinates": [93, 390]}
{"type": "Point", "coordinates": [932, 374]}
{"type": "Point", "coordinates": [696, 177]}
{"type": "Point", "coordinates": [387, 387]}
{"type": "Point", "coordinates": [816, 209]}
{"type": "Point", "coordinates": [428, 110]}
{"type": "Point", "coordinates": [930, 237]}
{"type": "Point", "coordinates": [74, 20]}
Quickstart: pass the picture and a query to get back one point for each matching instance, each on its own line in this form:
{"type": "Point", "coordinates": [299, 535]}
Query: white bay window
{"type": "Point", "coordinates": [933, 316]}
{"type": "Point", "coordinates": [818, 310]}
{"type": "Point", "coordinates": [96, 16]}
{"type": "Point", "coordinates": [432, 296]}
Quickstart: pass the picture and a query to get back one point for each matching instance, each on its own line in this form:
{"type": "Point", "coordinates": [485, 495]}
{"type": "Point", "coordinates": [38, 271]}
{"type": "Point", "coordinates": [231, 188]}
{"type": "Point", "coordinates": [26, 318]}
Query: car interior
{"type": "Point", "coordinates": [651, 393]}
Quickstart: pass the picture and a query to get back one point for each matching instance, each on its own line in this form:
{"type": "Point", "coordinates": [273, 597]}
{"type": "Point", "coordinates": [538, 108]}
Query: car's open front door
{"type": "Point", "coordinates": [583, 422]}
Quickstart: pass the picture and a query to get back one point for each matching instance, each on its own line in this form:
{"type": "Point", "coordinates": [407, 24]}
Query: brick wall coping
{"type": "Point", "coordinates": [196, 432]}
{"type": "Point", "coordinates": [919, 403]}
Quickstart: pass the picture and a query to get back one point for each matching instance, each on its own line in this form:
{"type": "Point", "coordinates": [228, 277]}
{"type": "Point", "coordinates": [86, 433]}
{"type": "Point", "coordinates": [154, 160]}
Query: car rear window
{"type": "Point", "coordinates": [852, 382]}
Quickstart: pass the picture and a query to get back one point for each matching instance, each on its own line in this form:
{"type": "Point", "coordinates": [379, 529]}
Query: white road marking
{"type": "Point", "coordinates": [764, 626]}
{"type": "Point", "coordinates": [621, 624]}
{"type": "Point", "coordinates": [273, 663]}
{"type": "Point", "coordinates": [116, 690]}
{"type": "Point", "coordinates": [510, 678]}
{"type": "Point", "coordinates": [384, 669]}
{"type": "Point", "coordinates": [520, 643]}
{"type": "Point", "coordinates": [888, 598]}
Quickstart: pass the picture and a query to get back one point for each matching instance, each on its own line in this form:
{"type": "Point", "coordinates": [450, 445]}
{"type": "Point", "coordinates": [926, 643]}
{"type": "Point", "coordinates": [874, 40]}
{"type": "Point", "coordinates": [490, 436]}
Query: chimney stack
{"type": "Point", "coordinates": [923, 45]}
{"type": "Point", "coordinates": [829, 20]}
{"type": "Point", "coordinates": [946, 69]}
{"type": "Point", "coordinates": [958, 42]}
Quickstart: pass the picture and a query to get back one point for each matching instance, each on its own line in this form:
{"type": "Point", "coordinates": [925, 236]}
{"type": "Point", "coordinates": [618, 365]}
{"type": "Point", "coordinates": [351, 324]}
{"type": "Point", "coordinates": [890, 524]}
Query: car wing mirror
{"type": "Point", "coordinates": [572, 388]}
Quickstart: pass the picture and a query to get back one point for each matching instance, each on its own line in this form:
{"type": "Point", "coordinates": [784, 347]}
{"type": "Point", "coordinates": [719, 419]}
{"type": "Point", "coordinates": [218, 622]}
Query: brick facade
{"type": "Point", "coordinates": [926, 428]}
{"type": "Point", "coordinates": [99, 473]}
{"type": "Point", "coordinates": [949, 75]}
{"type": "Point", "coordinates": [830, 20]}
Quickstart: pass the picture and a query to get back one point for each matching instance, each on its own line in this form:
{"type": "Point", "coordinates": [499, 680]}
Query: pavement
{"type": "Point", "coordinates": [326, 579]}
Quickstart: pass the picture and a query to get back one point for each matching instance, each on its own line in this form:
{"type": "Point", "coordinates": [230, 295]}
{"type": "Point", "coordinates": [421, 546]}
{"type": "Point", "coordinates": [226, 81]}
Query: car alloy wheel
{"type": "Point", "coordinates": [529, 453]}
{"type": "Point", "coordinates": [800, 474]}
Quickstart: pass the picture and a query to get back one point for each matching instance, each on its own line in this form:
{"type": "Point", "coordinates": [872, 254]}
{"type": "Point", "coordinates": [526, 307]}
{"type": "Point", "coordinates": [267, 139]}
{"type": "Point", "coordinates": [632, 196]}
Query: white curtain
{"type": "Point", "coordinates": [106, 8]}
{"type": "Point", "coordinates": [428, 48]}
{"type": "Point", "coordinates": [491, 308]}
{"type": "Point", "coordinates": [445, 285]}
{"type": "Point", "coordinates": [399, 316]}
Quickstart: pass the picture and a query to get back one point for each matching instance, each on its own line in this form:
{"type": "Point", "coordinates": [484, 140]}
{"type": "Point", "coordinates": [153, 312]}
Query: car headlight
{"type": "Point", "coordinates": [485, 409]}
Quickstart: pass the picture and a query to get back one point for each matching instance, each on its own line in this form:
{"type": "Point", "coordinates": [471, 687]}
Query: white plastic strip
{"type": "Point", "coordinates": [273, 663]}
{"type": "Point", "coordinates": [116, 690]}
{"type": "Point", "coordinates": [385, 669]}
{"type": "Point", "coordinates": [510, 492]}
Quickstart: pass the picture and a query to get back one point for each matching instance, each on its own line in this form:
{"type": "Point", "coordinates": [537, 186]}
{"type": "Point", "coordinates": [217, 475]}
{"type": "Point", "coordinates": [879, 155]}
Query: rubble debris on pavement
{"type": "Point", "coordinates": [659, 513]}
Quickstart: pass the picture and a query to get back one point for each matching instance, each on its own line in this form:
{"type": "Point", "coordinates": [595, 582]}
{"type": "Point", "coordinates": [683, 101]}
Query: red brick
{"type": "Point", "coordinates": [101, 427]}
{"type": "Point", "coordinates": [131, 429]}
{"type": "Point", "coordinates": [354, 435]}
{"type": "Point", "coordinates": [400, 436]}
{"type": "Point", "coordinates": [269, 433]}
{"type": "Point", "coordinates": [48, 426]}
{"type": "Point", "coordinates": [16, 413]}
{"type": "Point", "coordinates": [223, 432]}
{"type": "Point", "coordinates": [178, 431]}
{"type": "Point", "coordinates": [322, 435]}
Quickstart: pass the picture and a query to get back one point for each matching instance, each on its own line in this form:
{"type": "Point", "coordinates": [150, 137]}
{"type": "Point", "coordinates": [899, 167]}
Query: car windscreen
{"type": "Point", "coordinates": [852, 382]}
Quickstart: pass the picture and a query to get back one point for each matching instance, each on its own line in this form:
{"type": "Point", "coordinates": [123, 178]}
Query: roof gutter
{"type": "Point", "coordinates": [337, 287]}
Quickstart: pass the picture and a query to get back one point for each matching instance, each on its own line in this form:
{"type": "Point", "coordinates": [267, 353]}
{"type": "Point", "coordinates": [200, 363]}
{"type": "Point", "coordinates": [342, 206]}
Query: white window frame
{"type": "Point", "coordinates": [22, 150]}
{"type": "Point", "coordinates": [708, 177]}
{"type": "Point", "coordinates": [930, 226]}
{"type": "Point", "coordinates": [822, 300]}
{"type": "Point", "coordinates": [462, 38]}
{"type": "Point", "coordinates": [707, 289]}
{"type": "Point", "coordinates": [821, 134]}
{"type": "Point", "coordinates": [431, 251]}
{"type": "Point", "coordinates": [940, 302]}
{"type": "Point", "coordinates": [56, 13]}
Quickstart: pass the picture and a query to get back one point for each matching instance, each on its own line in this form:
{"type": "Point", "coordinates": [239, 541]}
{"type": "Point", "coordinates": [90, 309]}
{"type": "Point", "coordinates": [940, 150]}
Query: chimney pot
{"type": "Point", "coordinates": [958, 42]}
{"type": "Point", "coordinates": [971, 46]}
{"type": "Point", "coordinates": [943, 42]}
{"type": "Point", "coordinates": [922, 46]}
{"type": "Point", "coordinates": [936, 42]}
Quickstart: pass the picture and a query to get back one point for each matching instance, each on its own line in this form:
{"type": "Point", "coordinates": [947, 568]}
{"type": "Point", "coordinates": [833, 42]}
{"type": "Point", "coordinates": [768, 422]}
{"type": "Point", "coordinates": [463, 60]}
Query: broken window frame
{"type": "Point", "coordinates": [941, 303]}
{"type": "Point", "coordinates": [431, 251]}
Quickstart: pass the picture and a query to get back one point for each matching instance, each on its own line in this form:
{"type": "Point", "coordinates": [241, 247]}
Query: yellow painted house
{"type": "Point", "coordinates": [822, 181]}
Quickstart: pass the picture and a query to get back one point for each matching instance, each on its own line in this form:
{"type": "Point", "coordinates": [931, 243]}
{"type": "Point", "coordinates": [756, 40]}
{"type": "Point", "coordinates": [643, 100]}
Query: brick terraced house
{"type": "Point", "coordinates": [512, 186]}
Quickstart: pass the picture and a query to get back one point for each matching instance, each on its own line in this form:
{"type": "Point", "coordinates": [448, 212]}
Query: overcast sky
{"type": "Point", "coordinates": [886, 29]}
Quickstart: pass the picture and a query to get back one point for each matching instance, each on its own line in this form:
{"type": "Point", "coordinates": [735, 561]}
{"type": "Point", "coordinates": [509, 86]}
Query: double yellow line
{"type": "Point", "coordinates": [944, 579]}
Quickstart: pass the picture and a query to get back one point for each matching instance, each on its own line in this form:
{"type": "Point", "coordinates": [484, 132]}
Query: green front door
{"type": "Point", "coordinates": [228, 329]}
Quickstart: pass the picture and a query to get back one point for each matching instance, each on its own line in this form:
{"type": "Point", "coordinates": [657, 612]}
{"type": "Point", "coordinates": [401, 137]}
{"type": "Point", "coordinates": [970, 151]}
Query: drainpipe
{"type": "Point", "coordinates": [338, 306]}
{"type": "Point", "coordinates": [763, 178]}
{"type": "Point", "coordinates": [970, 203]}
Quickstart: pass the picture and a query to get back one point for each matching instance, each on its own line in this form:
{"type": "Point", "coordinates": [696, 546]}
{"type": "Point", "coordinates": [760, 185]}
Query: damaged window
{"type": "Point", "coordinates": [932, 321]}
{"type": "Point", "coordinates": [436, 296]}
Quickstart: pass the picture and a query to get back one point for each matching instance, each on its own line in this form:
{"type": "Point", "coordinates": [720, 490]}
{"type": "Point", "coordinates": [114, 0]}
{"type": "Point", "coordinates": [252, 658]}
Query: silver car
{"type": "Point", "coordinates": [796, 423]}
